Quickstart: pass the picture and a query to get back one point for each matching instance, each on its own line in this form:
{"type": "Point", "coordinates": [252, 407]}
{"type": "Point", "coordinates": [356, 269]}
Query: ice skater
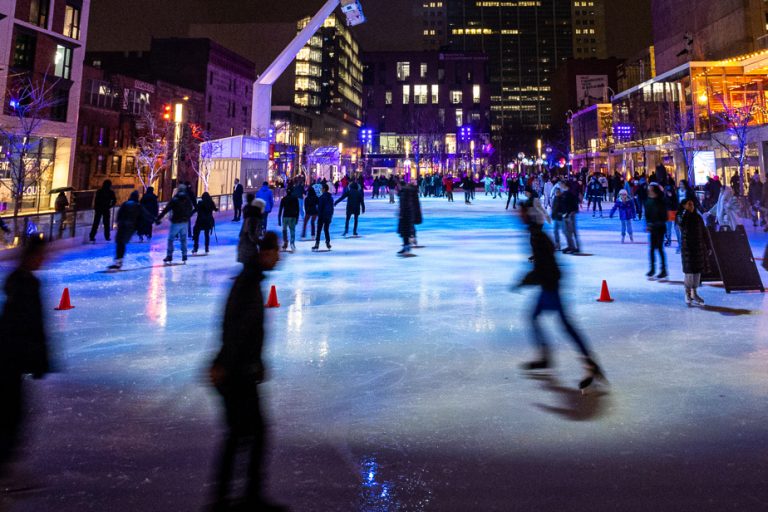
{"type": "Point", "coordinates": [694, 251]}
{"type": "Point", "coordinates": [656, 225]}
{"type": "Point", "coordinates": [103, 202]}
{"type": "Point", "coordinates": [287, 217]}
{"type": "Point", "coordinates": [626, 208]}
{"type": "Point", "coordinates": [546, 275]}
{"type": "Point", "coordinates": [355, 205]}
{"type": "Point", "coordinates": [409, 218]}
{"type": "Point", "coordinates": [204, 222]}
{"type": "Point", "coordinates": [237, 201]}
{"type": "Point", "coordinates": [181, 210]}
{"type": "Point", "coordinates": [236, 373]}
{"type": "Point", "coordinates": [130, 215]}
{"type": "Point", "coordinates": [150, 204]}
{"type": "Point", "coordinates": [23, 345]}
{"type": "Point", "coordinates": [310, 213]}
{"type": "Point", "coordinates": [324, 217]}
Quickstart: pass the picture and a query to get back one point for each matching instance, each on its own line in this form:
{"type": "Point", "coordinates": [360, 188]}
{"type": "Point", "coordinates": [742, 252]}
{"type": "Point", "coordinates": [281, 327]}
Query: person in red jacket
{"type": "Point", "coordinates": [448, 184]}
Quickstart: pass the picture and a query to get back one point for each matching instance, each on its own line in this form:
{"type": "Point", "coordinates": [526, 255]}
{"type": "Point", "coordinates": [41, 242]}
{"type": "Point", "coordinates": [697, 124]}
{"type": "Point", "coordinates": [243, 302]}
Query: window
{"type": "Point", "coordinates": [38, 12]}
{"type": "Point", "coordinates": [138, 101]}
{"type": "Point", "coordinates": [406, 94]}
{"type": "Point", "coordinates": [457, 97]}
{"type": "Point", "coordinates": [423, 70]}
{"type": "Point", "coordinates": [403, 70]}
{"type": "Point", "coordinates": [420, 94]}
{"type": "Point", "coordinates": [101, 164]}
{"type": "Point", "coordinates": [60, 104]}
{"type": "Point", "coordinates": [459, 117]}
{"type": "Point", "coordinates": [435, 94]}
{"type": "Point", "coordinates": [130, 166]}
{"type": "Point", "coordinates": [101, 139]}
{"type": "Point", "coordinates": [388, 98]}
{"type": "Point", "coordinates": [63, 62]}
{"type": "Point", "coordinates": [475, 94]}
{"type": "Point", "coordinates": [114, 166]}
{"type": "Point", "coordinates": [101, 95]}
{"type": "Point", "coordinates": [24, 51]}
{"type": "Point", "coordinates": [72, 22]}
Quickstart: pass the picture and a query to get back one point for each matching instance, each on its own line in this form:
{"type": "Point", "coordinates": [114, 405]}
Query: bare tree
{"type": "Point", "coordinates": [31, 102]}
{"type": "Point", "coordinates": [201, 150]}
{"type": "Point", "coordinates": [152, 152]}
{"type": "Point", "coordinates": [684, 129]}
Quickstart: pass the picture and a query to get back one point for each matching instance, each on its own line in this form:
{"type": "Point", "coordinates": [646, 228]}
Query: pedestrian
{"type": "Point", "coordinates": [247, 244]}
{"type": "Point", "coordinates": [641, 195]}
{"type": "Point", "coordinates": [673, 208]}
{"type": "Point", "coordinates": [236, 373]}
{"type": "Point", "coordinates": [151, 206]}
{"type": "Point", "coordinates": [181, 210]}
{"type": "Point", "coordinates": [656, 225]}
{"type": "Point", "coordinates": [310, 215]}
{"type": "Point", "coordinates": [355, 206]}
{"type": "Point", "coordinates": [129, 216]}
{"type": "Point", "coordinates": [570, 210]}
{"type": "Point", "coordinates": [237, 200]}
{"type": "Point", "coordinates": [626, 208]}
{"type": "Point", "coordinates": [695, 251]}
{"type": "Point", "coordinates": [60, 206]}
{"type": "Point", "coordinates": [468, 185]}
{"type": "Point", "coordinates": [448, 186]}
{"type": "Point", "coordinates": [204, 222]}
{"type": "Point", "coordinates": [728, 209]}
{"type": "Point", "coordinates": [558, 212]}
{"type": "Point", "coordinates": [755, 195]}
{"type": "Point", "coordinates": [23, 344]}
{"type": "Point", "coordinates": [103, 202]}
{"type": "Point", "coordinates": [265, 194]}
{"type": "Point", "coordinates": [324, 217]}
{"type": "Point", "coordinates": [513, 189]}
{"type": "Point", "coordinates": [595, 196]}
{"type": "Point", "coordinates": [287, 217]}
{"type": "Point", "coordinates": [546, 275]}
{"type": "Point", "coordinates": [392, 185]}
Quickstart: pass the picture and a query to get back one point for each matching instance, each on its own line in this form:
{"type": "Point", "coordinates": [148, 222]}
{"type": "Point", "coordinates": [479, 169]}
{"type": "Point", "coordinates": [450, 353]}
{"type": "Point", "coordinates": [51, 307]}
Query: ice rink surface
{"type": "Point", "coordinates": [395, 383]}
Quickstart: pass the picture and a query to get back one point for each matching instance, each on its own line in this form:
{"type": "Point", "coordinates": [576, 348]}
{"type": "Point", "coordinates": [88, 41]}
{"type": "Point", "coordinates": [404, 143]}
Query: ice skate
{"type": "Point", "coordinates": [117, 265]}
{"type": "Point", "coordinates": [168, 260]}
{"type": "Point", "coordinates": [328, 246]}
{"type": "Point", "coordinates": [532, 366]}
{"type": "Point", "coordinates": [662, 275]}
{"type": "Point", "coordinates": [315, 248]}
{"type": "Point", "coordinates": [184, 260]}
{"type": "Point", "coordinates": [650, 273]}
{"type": "Point", "coordinates": [594, 372]}
{"type": "Point", "coordinates": [293, 247]}
{"type": "Point", "coordinates": [688, 298]}
{"type": "Point", "coordinates": [696, 298]}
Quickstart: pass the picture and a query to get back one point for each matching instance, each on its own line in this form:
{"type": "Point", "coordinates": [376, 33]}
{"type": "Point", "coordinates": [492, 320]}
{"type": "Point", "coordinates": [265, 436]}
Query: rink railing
{"type": "Point", "coordinates": [74, 225]}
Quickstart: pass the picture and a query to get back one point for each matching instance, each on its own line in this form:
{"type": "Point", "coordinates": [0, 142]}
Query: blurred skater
{"type": "Point", "coordinates": [694, 251]}
{"type": "Point", "coordinates": [355, 203]}
{"type": "Point", "coordinates": [23, 345]}
{"type": "Point", "coordinates": [656, 225]}
{"type": "Point", "coordinates": [150, 204]}
{"type": "Point", "coordinates": [287, 217]}
{"type": "Point", "coordinates": [129, 216]}
{"type": "Point", "coordinates": [103, 202]}
{"type": "Point", "coordinates": [236, 373]}
{"type": "Point", "coordinates": [204, 222]}
{"type": "Point", "coordinates": [410, 216]}
{"type": "Point", "coordinates": [310, 212]}
{"type": "Point", "coordinates": [546, 275]}
{"type": "Point", "coordinates": [181, 210]}
{"type": "Point", "coordinates": [324, 217]}
{"type": "Point", "coordinates": [626, 208]}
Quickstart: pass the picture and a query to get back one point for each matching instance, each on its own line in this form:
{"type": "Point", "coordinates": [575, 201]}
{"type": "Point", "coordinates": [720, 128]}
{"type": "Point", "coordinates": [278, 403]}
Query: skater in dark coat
{"type": "Point", "coordinates": [546, 275]}
{"type": "Point", "coordinates": [410, 217]}
{"type": "Point", "coordinates": [250, 231]}
{"type": "Point", "coordinates": [513, 189]}
{"type": "Point", "coordinates": [237, 200]}
{"type": "Point", "coordinates": [656, 225]}
{"type": "Point", "coordinates": [150, 204]}
{"type": "Point", "coordinates": [310, 212]}
{"type": "Point", "coordinates": [23, 344]}
{"type": "Point", "coordinates": [355, 203]}
{"type": "Point", "coordinates": [694, 251]}
{"type": "Point", "coordinates": [181, 210]}
{"type": "Point", "coordinates": [129, 217]}
{"type": "Point", "coordinates": [236, 374]}
{"type": "Point", "coordinates": [103, 202]}
{"type": "Point", "coordinates": [204, 222]}
{"type": "Point", "coordinates": [324, 217]}
{"type": "Point", "coordinates": [288, 217]}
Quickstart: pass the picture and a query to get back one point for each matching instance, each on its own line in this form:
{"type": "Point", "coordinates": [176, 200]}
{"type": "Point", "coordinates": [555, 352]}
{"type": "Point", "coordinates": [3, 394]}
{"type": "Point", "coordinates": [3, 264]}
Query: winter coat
{"type": "Point", "coordinates": [237, 195]}
{"type": "Point", "coordinates": [728, 209]}
{"type": "Point", "coordinates": [243, 331]}
{"type": "Point", "coordinates": [247, 244]}
{"type": "Point", "coordinates": [595, 190]}
{"type": "Point", "coordinates": [325, 207]}
{"type": "Point", "coordinates": [130, 214]}
{"type": "Point", "coordinates": [181, 209]}
{"type": "Point", "coordinates": [558, 208]}
{"type": "Point", "coordinates": [626, 209]}
{"type": "Point", "coordinates": [205, 209]}
{"type": "Point", "coordinates": [310, 203]}
{"type": "Point", "coordinates": [289, 208]}
{"type": "Point", "coordinates": [410, 211]}
{"type": "Point", "coordinates": [355, 200]}
{"type": "Point", "coordinates": [265, 193]}
{"type": "Point", "coordinates": [23, 341]}
{"type": "Point", "coordinates": [61, 203]}
{"type": "Point", "coordinates": [104, 200]}
{"type": "Point", "coordinates": [694, 247]}
{"type": "Point", "coordinates": [545, 271]}
{"type": "Point", "coordinates": [655, 214]}
{"type": "Point", "coordinates": [755, 191]}
{"type": "Point", "coordinates": [149, 202]}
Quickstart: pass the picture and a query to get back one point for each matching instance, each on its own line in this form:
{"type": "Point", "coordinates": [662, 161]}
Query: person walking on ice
{"type": "Point", "coordinates": [355, 203]}
{"type": "Point", "coordinates": [181, 210]}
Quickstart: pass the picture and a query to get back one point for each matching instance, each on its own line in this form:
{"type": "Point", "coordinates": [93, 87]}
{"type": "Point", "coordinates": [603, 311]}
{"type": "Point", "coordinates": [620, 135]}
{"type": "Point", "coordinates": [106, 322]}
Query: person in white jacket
{"type": "Point", "coordinates": [727, 209]}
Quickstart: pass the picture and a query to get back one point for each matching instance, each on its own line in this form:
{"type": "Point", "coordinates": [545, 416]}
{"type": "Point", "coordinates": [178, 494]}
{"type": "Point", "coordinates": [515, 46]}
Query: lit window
{"type": "Point", "coordinates": [406, 94]}
{"type": "Point", "coordinates": [459, 117]}
{"type": "Point", "coordinates": [420, 94]}
{"type": "Point", "coordinates": [72, 22]}
{"type": "Point", "coordinates": [435, 94]}
{"type": "Point", "coordinates": [456, 97]}
{"type": "Point", "coordinates": [388, 97]}
{"type": "Point", "coordinates": [403, 70]}
{"type": "Point", "coordinates": [476, 94]}
{"type": "Point", "coordinates": [63, 62]}
{"type": "Point", "coordinates": [423, 70]}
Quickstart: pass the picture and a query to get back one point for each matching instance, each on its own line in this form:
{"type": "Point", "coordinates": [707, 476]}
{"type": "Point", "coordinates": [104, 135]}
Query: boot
{"type": "Point", "coordinates": [593, 372]}
{"type": "Point", "coordinates": [168, 259]}
{"type": "Point", "coordinates": [663, 274]}
{"type": "Point", "coordinates": [651, 272]}
{"type": "Point", "coordinates": [696, 298]}
{"type": "Point", "coordinates": [293, 247]}
{"type": "Point", "coordinates": [544, 362]}
{"type": "Point", "coordinates": [315, 248]}
{"type": "Point", "coordinates": [117, 265]}
{"type": "Point", "coordinates": [688, 298]}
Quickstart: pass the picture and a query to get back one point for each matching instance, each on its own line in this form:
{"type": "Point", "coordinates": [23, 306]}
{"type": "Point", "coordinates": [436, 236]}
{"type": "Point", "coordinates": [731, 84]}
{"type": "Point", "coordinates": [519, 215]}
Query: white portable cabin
{"type": "Point", "coordinates": [243, 157]}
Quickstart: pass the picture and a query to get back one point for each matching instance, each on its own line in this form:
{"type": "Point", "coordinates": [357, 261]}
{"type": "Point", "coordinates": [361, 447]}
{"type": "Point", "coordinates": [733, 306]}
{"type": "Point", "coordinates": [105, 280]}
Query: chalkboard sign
{"type": "Point", "coordinates": [714, 275]}
{"type": "Point", "coordinates": [735, 260]}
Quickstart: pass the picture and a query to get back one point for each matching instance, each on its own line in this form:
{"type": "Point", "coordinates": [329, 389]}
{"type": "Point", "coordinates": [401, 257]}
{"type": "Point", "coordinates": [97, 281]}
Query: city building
{"type": "Point", "coordinates": [637, 69]}
{"type": "Point", "coordinates": [589, 29]}
{"type": "Point", "coordinates": [703, 30]}
{"type": "Point", "coordinates": [41, 43]}
{"type": "Point", "coordinates": [591, 134]}
{"type": "Point", "coordinates": [582, 83]}
{"type": "Point", "coordinates": [525, 42]}
{"type": "Point", "coordinates": [434, 23]}
{"type": "Point", "coordinates": [116, 110]}
{"type": "Point", "coordinates": [427, 111]}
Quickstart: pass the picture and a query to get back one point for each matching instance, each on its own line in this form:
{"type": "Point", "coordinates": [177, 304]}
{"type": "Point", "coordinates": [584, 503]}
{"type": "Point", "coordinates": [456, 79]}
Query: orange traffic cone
{"type": "Point", "coordinates": [272, 300]}
{"type": "Point", "coordinates": [64, 303]}
{"type": "Point", "coordinates": [605, 295]}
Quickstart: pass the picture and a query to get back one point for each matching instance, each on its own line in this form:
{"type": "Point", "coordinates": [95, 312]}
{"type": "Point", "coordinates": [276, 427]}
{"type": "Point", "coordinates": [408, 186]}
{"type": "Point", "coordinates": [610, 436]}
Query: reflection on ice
{"type": "Point", "coordinates": [378, 494]}
{"type": "Point", "coordinates": [157, 311]}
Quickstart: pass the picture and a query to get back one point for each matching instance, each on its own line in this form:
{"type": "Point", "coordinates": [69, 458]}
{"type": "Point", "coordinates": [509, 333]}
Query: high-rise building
{"type": "Point", "coordinates": [524, 42]}
{"type": "Point", "coordinates": [41, 43]}
{"type": "Point", "coordinates": [434, 23]}
{"type": "Point", "coordinates": [589, 29]}
{"type": "Point", "coordinates": [703, 30]}
{"type": "Point", "coordinates": [329, 75]}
